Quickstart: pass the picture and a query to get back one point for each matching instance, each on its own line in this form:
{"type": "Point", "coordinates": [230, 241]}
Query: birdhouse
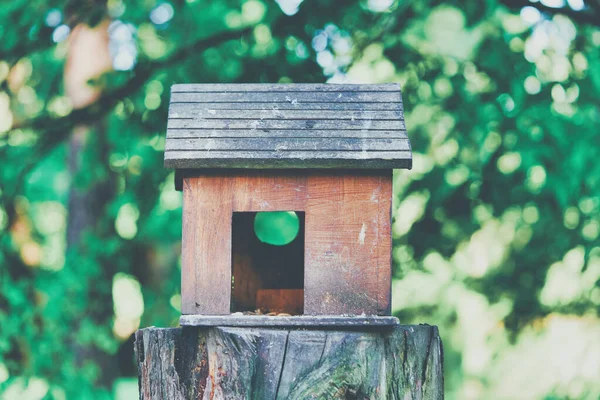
{"type": "Point", "coordinates": [315, 159]}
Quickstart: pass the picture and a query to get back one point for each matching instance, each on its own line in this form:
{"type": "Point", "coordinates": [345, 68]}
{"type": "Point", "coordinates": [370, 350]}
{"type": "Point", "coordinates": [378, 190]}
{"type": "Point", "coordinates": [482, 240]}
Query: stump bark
{"type": "Point", "coordinates": [404, 363]}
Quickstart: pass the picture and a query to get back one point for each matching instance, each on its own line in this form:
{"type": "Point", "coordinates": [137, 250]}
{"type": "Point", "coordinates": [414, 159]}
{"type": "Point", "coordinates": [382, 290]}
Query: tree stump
{"type": "Point", "coordinates": [404, 362]}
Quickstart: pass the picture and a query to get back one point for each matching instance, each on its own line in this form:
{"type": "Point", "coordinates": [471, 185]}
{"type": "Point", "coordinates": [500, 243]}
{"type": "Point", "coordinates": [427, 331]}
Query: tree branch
{"type": "Point", "coordinates": [57, 130]}
{"type": "Point", "coordinates": [109, 99]}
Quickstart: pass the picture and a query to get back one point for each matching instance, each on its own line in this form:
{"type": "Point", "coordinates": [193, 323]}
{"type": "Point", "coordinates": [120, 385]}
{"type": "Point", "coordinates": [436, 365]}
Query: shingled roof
{"type": "Point", "coordinates": [286, 126]}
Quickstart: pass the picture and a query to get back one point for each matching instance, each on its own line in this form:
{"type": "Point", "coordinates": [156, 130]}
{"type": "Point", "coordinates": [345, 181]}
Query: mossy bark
{"type": "Point", "coordinates": [255, 363]}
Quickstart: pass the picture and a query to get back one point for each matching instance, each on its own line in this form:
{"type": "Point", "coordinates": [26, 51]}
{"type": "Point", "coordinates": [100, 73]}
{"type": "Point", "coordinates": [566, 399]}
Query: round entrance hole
{"type": "Point", "coordinates": [277, 228]}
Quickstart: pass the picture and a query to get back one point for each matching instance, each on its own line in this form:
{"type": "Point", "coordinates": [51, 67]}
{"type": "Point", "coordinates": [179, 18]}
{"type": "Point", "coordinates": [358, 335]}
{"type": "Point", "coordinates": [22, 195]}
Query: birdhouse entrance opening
{"type": "Point", "coordinates": [268, 263]}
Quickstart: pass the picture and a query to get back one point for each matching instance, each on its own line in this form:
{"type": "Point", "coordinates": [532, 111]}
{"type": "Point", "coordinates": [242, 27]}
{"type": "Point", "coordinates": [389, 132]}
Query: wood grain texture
{"type": "Point", "coordinates": [345, 235]}
{"type": "Point", "coordinates": [288, 96]}
{"type": "Point", "coordinates": [290, 301]}
{"type": "Point", "coordinates": [291, 124]}
{"type": "Point", "coordinates": [189, 247]}
{"type": "Point", "coordinates": [282, 87]}
{"type": "Point", "coordinates": [384, 247]}
{"type": "Point", "coordinates": [405, 363]}
{"type": "Point", "coordinates": [185, 106]}
{"type": "Point", "coordinates": [205, 112]}
{"type": "Point", "coordinates": [282, 133]}
{"type": "Point", "coordinates": [287, 126]}
{"type": "Point", "coordinates": [268, 191]}
{"type": "Point", "coordinates": [207, 246]}
{"type": "Point", "coordinates": [347, 246]}
{"type": "Point", "coordinates": [288, 144]}
{"type": "Point", "coordinates": [189, 159]}
{"type": "Point", "coordinates": [298, 321]}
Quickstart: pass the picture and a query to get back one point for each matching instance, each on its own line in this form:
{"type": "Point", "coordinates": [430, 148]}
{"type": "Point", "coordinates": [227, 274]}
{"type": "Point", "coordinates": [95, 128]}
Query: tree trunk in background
{"type": "Point", "coordinates": [405, 362]}
{"type": "Point", "coordinates": [88, 57]}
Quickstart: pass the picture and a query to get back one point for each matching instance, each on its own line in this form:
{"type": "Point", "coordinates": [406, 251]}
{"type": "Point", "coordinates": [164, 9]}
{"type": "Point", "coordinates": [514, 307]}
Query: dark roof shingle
{"type": "Point", "coordinates": [286, 126]}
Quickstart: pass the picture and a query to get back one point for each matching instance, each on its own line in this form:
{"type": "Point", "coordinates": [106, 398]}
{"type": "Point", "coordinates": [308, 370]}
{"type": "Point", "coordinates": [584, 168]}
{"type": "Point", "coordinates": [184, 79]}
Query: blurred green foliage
{"type": "Point", "coordinates": [276, 227]}
{"type": "Point", "coordinates": [495, 229]}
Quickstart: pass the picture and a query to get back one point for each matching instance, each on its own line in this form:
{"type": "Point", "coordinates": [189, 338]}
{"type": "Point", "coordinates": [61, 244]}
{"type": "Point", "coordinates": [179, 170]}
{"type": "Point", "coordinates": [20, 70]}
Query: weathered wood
{"type": "Point", "coordinates": [295, 124]}
{"type": "Point", "coordinates": [405, 363]}
{"type": "Point", "coordinates": [347, 246]}
{"type": "Point", "coordinates": [282, 87]}
{"type": "Point", "coordinates": [185, 106]}
{"type": "Point", "coordinates": [307, 321]}
{"type": "Point", "coordinates": [189, 244]}
{"type": "Point", "coordinates": [287, 126]}
{"type": "Point", "coordinates": [190, 159]}
{"type": "Point", "coordinates": [289, 96]}
{"type": "Point", "coordinates": [267, 191]}
{"type": "Point", "coordinates": [288, 144]}
{"type": "Point", "coordinates": [282, 133]}
{"type": "Point", "coordinates": [204, 111]}
{"type": "Point", "coordinates": [347, 232]}
{"type": "Point", "coordinates": [289, 301]}
{"type": "Point", "coordinates": [206, 240]}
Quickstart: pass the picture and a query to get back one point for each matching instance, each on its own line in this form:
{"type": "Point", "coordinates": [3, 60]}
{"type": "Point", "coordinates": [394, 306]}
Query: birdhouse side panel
{"type": "Point", "coordinates": [348, 244]}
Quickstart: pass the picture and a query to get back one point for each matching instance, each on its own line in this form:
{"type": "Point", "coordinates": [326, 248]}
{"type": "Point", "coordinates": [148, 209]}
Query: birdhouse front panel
{"type": "Point", "coordinates": [347, 239]}
{"type": "Point", "coordinates": [322, 153]}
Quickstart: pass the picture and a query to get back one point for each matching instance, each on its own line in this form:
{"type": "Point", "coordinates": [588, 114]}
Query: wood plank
{"type": "Point", "coordinates": [290, 301]}
{"type": "Point", "coordinates": [310, 321]}
{"type": "Point", "coordinates": [271, 87]}
{"type": "Point", "coordinates": [343, 273]}
{"type": "Point", "coordinates": [384, 247]}
{"type": "Point", "coordinates": [283, 133]}
{"type": "Point", "coordinates": [303, 124]}
{"type": "Point", "coordinates": [186, 106]}
{"type": "Point", "coordinates": [291, 96]}
{"type": "Point", "coordinates": [206, 112]}
{"type": "Point", "coordinates": [189, 243]}
{"type": "Point", "coordinates": [404, 362]}
{"type": "Point", "coordinates": [269, 191]}
{"type": "Point", "coordinates": [208, 257]}
{"type": "Point", "coordinates": [288, 159]}
{"type": "Point", "coordinates": [287, 144]}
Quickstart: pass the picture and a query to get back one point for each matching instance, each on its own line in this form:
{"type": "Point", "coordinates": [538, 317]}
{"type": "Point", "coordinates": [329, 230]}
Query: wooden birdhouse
{"type": "Point", "coordinates": [323, 155]}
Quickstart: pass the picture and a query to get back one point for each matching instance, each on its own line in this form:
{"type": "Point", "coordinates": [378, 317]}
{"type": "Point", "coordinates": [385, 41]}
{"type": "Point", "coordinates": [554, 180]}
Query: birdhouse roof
{"type": "Point", "coordinates": [286, 126]}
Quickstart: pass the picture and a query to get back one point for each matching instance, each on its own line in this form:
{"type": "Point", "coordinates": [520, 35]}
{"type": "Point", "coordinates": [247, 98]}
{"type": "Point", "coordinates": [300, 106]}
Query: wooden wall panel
{"type": "Point", "coordinates": [346, 237]}
{"type": "Point", "coordinates": [268, 191]}
{"type": "Point", "coordinates": [206, 258]}
{"type": "Point", "coordinates": [189, 245]}
{"type": "Point", "coordinates": [384, 248]}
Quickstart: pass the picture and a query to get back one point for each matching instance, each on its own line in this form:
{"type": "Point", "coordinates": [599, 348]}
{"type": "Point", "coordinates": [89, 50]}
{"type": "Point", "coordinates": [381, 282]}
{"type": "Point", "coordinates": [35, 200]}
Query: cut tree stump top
{"type": "Point", "coordinates": [403, 363]}
{"type": "Point", "coordinates": [286, 126]}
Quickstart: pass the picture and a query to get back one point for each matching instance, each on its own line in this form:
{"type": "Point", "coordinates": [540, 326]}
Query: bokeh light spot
{"type": "Point", "coordinates": [276, 227]}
